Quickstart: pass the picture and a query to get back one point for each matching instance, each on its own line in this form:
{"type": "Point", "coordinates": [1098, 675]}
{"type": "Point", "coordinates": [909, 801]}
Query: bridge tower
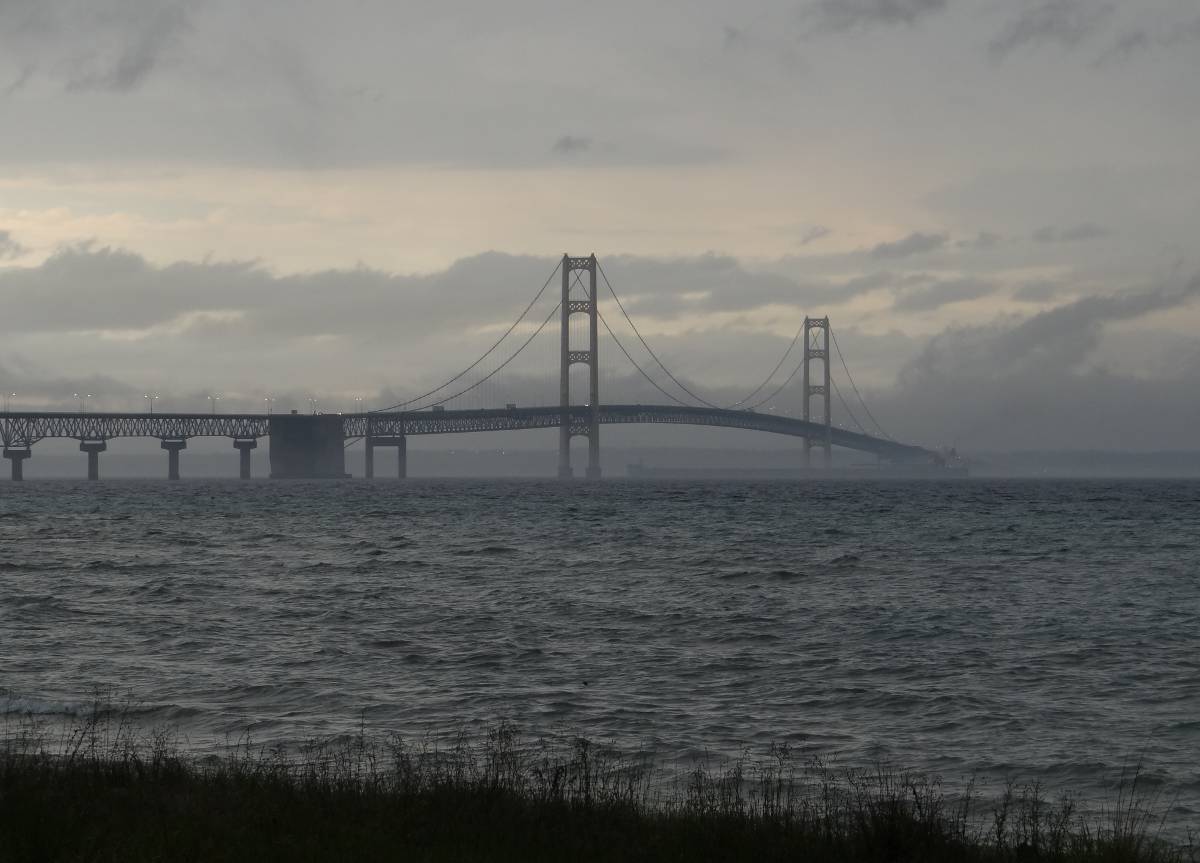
{"type": "Point", "coordinates": [816, 347]}
{"type": "Point", "coordinates": [579, 298]}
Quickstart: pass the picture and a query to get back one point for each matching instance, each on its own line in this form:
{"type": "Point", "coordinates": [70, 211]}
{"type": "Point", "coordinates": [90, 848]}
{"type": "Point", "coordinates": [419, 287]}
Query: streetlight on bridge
{"type": "Point", "coordinates": [87, 402]}
{"type": "Point", "coordinates": [150, 400]}
{"type": "Point", "coordinates": [79, 402]}
{"type": "Point", "coordinates": [312, 403]}
{"type": "Point", "coordinates": [212, 403]}
{"type": "Point", "coordinates": [268, 401]}
{"type": "Point", "coordinates": [8, 397]}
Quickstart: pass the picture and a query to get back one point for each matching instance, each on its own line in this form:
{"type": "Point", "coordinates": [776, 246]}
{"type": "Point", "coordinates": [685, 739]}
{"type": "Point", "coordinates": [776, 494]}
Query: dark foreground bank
{"type": "Point", "coordinates": [101, 792]}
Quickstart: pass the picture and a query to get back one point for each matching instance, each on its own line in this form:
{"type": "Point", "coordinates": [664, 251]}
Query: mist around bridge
{"type": "Point", "coordinates": [524, 458]}
{"type": "Point", "coordinates": [1085, 375]}
{"type": "Point", "coordinates": [1005, 275]}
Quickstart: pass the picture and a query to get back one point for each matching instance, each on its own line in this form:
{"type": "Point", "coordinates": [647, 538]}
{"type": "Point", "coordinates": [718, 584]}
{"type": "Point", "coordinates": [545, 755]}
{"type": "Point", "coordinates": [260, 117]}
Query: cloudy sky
{"type": "Point", "coordinates": [996, 201]}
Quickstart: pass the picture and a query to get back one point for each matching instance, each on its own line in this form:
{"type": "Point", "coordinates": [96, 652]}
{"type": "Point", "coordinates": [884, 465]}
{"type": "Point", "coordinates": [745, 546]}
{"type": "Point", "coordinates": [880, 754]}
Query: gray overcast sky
{"type": "Point", "coordinates": [997, 201]}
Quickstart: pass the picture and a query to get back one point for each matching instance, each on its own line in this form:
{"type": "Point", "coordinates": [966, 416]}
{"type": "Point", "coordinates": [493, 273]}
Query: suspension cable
{"type": "Point", "coordinates": [496, 370]}
{"type": "Point", "coordinates": [650, 350]}
{"type": "Point", "coordinates": [778, 365]}
{"type": "Point", "coordinates": [779, 388]}
{"type": "Point", "coordinates": [850, 378]}
{"type": "Point", "coordinates": [632, 361]}
{"type": "Point", "coordinates": [846, 407]}
{"type": "Point", "coordinates": [486, 353]}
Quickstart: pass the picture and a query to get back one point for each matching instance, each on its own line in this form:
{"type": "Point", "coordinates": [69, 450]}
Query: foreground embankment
{"type": "Point", "coordinates": [105, 791]}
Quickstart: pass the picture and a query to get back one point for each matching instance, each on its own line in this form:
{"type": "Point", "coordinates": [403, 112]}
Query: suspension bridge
{"type": "Point", "coordinates": [314, 445]}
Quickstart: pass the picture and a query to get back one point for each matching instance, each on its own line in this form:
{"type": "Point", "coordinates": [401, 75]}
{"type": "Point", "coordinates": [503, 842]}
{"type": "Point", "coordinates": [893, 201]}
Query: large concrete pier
{"type": "Point", "coordinates": [307, 446]}
{"type": "Point", "coordinates": [244, 447]}
{"type": "Point", "coordinates": [17, 458]}
{"type": "Point", "coordinates": [173, 448]}
{"type": "Point", "coordinates": [93, 448]}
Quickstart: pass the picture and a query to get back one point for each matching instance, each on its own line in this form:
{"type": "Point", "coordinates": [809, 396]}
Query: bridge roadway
{"type": "Point", "coordinates": [452, 422]}
{"type": "Point", "coordinates": [21, 430]}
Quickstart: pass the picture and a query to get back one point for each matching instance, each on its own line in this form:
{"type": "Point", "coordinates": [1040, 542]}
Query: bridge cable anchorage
{"type": "Point", "coordinates": [485, 354]}
{"type": "Point", "coordinates": [500, 367]}
{"type": "Point", "coordinates": [850, 377]}
{"type": "Point", "coordinates": [650, 350]}
{"type": "Point", "coordinates": [632, 361]}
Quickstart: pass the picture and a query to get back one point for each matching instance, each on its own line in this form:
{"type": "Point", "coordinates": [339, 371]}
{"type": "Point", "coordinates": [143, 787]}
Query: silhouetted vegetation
{"type": "Point", "coordinates": [104, 790]}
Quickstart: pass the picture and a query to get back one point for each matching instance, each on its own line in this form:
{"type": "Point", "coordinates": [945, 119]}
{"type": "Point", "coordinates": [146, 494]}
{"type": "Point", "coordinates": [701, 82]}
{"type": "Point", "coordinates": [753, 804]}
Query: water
{"type": "Point", "coordinates": [1041, 630]}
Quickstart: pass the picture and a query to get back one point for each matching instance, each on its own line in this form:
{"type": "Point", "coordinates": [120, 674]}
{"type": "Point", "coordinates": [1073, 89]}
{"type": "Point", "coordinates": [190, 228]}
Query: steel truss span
{"type": "Point", "coordinates": [22, 430]}
{"type": "Point", "coordinates": [25, 429]}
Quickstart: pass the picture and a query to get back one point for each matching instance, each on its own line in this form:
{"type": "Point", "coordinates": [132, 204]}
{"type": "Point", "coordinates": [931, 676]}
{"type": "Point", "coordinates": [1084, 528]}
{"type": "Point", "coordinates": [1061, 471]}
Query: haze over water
{"type": "Point", "coordinates": [1039, 630]}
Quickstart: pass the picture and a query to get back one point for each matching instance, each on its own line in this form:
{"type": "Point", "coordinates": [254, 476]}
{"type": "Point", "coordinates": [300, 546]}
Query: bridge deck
{"type": "Point", "coordinates": [23, 429]}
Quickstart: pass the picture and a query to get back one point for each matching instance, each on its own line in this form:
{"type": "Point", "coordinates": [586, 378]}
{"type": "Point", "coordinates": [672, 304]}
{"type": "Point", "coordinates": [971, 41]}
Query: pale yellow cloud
{"type": "Point", "coordinates": [422, 219]}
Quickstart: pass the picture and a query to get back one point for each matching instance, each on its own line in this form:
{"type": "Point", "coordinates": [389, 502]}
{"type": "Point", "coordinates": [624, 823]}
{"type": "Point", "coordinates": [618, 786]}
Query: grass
{"type": "Point", "coordinates": [104, 790]}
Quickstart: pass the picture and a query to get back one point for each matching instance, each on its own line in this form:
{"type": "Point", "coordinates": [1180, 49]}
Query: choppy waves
{"type": "Point", "coordinates": [1046, 631]}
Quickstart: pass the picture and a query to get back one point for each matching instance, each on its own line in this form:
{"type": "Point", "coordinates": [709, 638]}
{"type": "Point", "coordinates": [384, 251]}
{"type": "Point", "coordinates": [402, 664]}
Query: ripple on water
{"type": "Point", "coordinates": [1046, 631]}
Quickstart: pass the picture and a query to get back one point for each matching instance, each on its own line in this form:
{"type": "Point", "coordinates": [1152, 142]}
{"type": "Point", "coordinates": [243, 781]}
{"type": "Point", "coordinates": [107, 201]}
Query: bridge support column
{"type": "Point", "coordinates": [564, 454]}
{"type": "Point", "coordinates": [400, 442]}
{"type": "Point", "coordinates": [173, 448]}
{"type": "Point", "coordinates": [17, 457]}
{"type": "Point", "coordinates": [369, 460]}
{"type": "Point", "coordinates": [593, 468]}
{"type": "Point", "coordinates": [816, 347]}
{"type": "Point", "coordinates": [93, 448]}
{"type": "Point", "coordinates": [244, 447]}
{"type": "Point", "coordinates": [307, 446]}
{"type": "Point", "coordinates": [586, 423]}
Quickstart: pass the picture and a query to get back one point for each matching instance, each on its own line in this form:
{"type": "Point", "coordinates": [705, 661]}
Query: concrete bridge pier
{"type": "Point", "coordinates": [307, 446]}
{"type": "Point", "coordinates": [17, 457]}
{"type": "Point", "coordinates": [400, 442]}
{"type": "Point", "coordinates": [173, 447]}
{"type": "Point", "coordinates": [93, 448]}
{"type": "Point", "coordinates": [244, 447]}
{"type": "Point", "coordinates": [593, 468]}
{"type": "Point", "coordinates": [369, 466]}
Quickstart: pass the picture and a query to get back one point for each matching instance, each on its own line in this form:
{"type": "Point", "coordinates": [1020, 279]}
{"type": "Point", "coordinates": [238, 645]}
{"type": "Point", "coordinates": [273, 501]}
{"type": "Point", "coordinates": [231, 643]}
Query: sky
{"type": "Point", "coordinates": [996, 202]}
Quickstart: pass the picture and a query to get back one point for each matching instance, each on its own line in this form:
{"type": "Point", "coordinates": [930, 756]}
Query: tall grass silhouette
{"type": "Point", "coordinates": [103, 788]}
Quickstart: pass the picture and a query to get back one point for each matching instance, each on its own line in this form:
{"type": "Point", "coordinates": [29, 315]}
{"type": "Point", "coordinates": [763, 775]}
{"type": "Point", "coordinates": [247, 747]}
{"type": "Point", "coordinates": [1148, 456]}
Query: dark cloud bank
{"type": "Point", "coordinates": [1065, 23]}
{"type": "Point", "coordinates": [84, 46]}
{"type": "Point", "coordinates": [839, 15]}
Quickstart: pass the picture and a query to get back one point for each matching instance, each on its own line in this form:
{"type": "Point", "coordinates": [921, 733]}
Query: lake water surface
{"type": "Point", "coordinates": [1040, 630]}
